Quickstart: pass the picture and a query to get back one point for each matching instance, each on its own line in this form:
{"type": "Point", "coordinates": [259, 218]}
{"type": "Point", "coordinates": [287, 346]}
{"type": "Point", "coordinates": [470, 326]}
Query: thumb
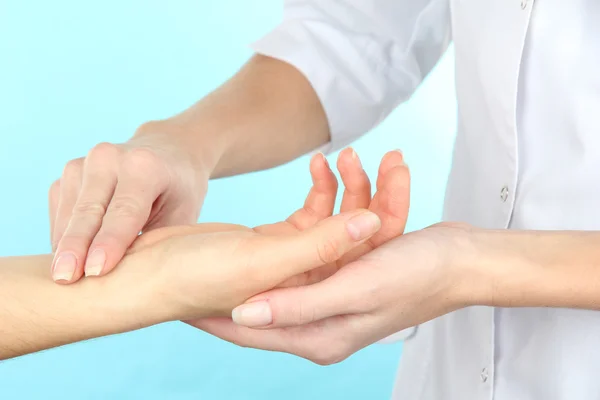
{"type": "Point", "coordinates": [280, 308]}
{"type": "Point", "coordinates": [322, 244]}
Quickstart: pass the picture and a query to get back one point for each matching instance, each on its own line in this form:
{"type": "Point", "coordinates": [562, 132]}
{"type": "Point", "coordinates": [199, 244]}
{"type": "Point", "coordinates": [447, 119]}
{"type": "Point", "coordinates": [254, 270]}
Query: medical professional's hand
{"type": "Point", "coordinates": [405, 282]}
{"type": "Point", "coordinates": [102, 202]}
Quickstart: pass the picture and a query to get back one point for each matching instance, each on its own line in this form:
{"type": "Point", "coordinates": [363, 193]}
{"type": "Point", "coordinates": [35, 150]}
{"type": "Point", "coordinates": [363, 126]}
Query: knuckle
{"type": "Point", "coordinates": [125, 207]}
{"type": "Point", "coordinates": [54, 188]}
{"type": "Point", "coordinates": [73, 169]}
{"type": "Point", "coordinates": [142, 160]}
{"type": "Point", "coordinates": [328, 355]}
{"type": "Point", "coordinates": [72, 241]}
{"type": "Point", "coordinates": [303, 315]}
{"type": "Point", "coordinates": [329, 251]}
{"type": "Point", "coordinates": [359, 186]}
{"type": "Point", "coordinates": [103, 151]}
{"type": "Point", "coordinates": [89, 208]}
{"type": "Point", "coordinates": [239, 343]}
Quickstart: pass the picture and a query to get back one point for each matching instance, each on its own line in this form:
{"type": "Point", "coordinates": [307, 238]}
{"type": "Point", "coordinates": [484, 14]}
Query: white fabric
{"type": "Point", "coordinates": [527, 156]}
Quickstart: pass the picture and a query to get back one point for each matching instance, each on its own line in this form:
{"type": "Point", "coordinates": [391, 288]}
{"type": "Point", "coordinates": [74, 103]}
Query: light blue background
{"type": "Point", "coordinates": [76, 73]}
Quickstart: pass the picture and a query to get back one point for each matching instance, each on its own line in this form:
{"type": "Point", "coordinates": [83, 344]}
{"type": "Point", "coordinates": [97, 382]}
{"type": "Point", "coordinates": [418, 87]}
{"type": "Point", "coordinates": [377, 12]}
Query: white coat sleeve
{"type": "Point", "coordinates": [362, 57]}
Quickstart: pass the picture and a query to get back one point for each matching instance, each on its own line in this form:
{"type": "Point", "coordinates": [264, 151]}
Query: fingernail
{"type": "Point", "coordinates": [253, 314]}
{"type": "Point", "coordinates": [355, 157]}
{"type": "Point", "coordinates": [401, 155]}
{"type": "Point", "coordinates": [324, 159]}
{"type": "Point", "coordinates": [64, 267]}
{"type": "Point", "coordinates": [95, 262]}
{"type": "Point", "coordinates": [362, 226]}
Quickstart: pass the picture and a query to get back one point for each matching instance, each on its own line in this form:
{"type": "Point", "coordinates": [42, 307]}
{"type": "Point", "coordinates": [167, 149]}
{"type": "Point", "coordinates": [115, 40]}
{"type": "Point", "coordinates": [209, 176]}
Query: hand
{"type": "Point", "coordinates": [102, 202]}
{"type": "Point", "coordinates": [206, 270]}
{"type": "Point", "coordinates": [407, 281]}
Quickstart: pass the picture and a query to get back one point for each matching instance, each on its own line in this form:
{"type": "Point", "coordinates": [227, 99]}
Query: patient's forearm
{"type": "Point", "coordinates": [36, 314]}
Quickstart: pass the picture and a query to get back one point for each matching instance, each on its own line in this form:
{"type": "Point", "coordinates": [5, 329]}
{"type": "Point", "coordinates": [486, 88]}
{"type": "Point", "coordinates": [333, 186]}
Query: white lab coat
{"type": "Point", "coordinates": [527, 156]}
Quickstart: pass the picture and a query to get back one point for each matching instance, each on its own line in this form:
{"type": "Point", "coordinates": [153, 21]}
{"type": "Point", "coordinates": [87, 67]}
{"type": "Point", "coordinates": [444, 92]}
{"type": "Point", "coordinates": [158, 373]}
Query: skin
{"type": "Point", "coordinates": [266, 115]}
{"type": "Point", "coordinates": [415, 278]}
{"type": "Point", "coordinates": [192, 272]}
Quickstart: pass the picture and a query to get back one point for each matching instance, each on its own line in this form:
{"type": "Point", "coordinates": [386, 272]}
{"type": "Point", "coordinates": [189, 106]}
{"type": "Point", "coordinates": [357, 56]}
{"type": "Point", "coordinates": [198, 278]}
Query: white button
{"type": "Point", "coordinates": [523, 4]}
{"type": "Point", "coordinates": [484, 375]}
{"type": "Point", "coordinates": [504, 194]}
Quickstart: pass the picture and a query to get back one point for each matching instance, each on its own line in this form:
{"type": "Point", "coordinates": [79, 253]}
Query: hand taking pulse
{"type": "Point", "coordinates": [102, 202]}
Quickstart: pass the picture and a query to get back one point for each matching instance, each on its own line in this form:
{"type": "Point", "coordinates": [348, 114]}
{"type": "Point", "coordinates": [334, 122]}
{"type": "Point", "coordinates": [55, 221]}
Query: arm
{"type": "Point", "coordinates": [416, 278]}
{"type": "Point", "coordinates": [265, 115]}
{"type": "Point", "coordinates": [344, 67]}
{"type": "Point", "coordinates": [36, 314]}
{"type": "Point", "coordinates": [160, 280]}
{"type": "Point", "coordinates": [558, 269]}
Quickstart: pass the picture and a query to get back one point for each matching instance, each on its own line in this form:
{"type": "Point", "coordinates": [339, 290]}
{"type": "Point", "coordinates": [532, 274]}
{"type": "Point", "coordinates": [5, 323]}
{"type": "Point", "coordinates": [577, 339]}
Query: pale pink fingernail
{"type": "Point", "coordinates": [355, 157]}
{"type": "Point", "coordinates": [95, 262]}
{"type": "Point", "coordinates": [64, 267]}
{"type": "Point", "coordinates": [363, 225]}
{"type": "Point", "coordinates": [253, 314]}
{"type": "Point", "coordinates": [324, 159]}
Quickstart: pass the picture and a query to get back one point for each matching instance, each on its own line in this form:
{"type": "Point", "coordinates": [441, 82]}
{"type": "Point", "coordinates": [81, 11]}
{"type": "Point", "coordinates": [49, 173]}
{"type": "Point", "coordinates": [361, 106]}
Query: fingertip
{"type": "Point", "coordinates": [95, 263]}
{"type": "Point", "coordinates": [390, 160]}
{"type": "Point", "coordinates": [319, 162]}
{"type": "Point", "coordinates": [255, 314]}
{"type": "Point", "coordinates": [363, 225]}
{"type": "Point", "coordinates": [66, 268]}
{"type": "Point", "coordinates": [321, 173]}
{"type": "Point", "coordinates": [348, 158]}
{"type": "Point", "coordinates": [397, 178]}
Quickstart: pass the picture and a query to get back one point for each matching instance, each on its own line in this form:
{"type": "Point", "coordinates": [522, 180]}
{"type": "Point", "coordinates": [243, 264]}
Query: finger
{"type": "Point", "coordinates": [141, 180]}
{"type": "Point", "coordinates": [64, 268]}
{"type": "Point", "coordinates": [302, 305]}
{"type": "Point", "coordinates": [357, 187]}
{"type": "Point", "coordinates": [322, 244]}
{"type": "Point", "coordinates": [320, 201]}
{"type": "Point", "coordinates": [70, 185]}
{"type": "Point", "coordinates": [389, 160]}
{"type": "Point", "coordinates": [97, 188]}
{"type": "Point", "coordinates": [53, 199]}
{"type": "Point", "coordinates": [390, 203]}
{"type": "Point", "coordinates": [326, 342]}
{"type": "Point", "coordinates": [392, 199]}
{"type": "Point", "coordinates": [226, 329]}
